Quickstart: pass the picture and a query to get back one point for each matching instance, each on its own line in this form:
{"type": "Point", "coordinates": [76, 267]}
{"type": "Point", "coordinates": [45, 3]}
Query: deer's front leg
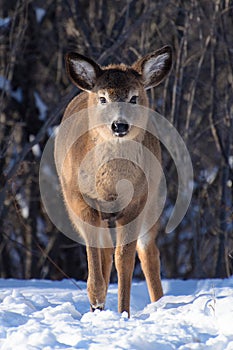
{"type": "Point", "coordinates": [125, 261]}
{"type": "Point", "coordinates": [96, 285]}
{"type": "Point", "coordinates": [99, 258]}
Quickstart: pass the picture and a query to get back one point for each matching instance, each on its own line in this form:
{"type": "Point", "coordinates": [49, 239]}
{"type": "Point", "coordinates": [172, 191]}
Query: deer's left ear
{"type": "Point", "coordinates": [155, 66]}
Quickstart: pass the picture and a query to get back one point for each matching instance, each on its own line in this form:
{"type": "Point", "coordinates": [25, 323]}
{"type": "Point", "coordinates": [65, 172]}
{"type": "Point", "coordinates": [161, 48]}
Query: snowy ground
{"type": "Point", "coordinates": [55, 315]}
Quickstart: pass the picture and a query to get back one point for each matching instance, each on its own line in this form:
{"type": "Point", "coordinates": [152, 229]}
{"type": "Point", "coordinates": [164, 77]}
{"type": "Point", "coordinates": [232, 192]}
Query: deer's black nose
{"type": "Point", "coordinates": [120, 127]}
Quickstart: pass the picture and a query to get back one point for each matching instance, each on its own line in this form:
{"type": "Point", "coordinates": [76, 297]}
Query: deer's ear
{"type": "Point", "coordinates": [82, 70]}
{"type": "Point", "coordinates": [155, 66]}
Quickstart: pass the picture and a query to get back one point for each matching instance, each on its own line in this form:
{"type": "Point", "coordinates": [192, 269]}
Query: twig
{"type": "Point", "coordinates": [124, 36]}
{"type": "Point", "coordinates": [28, 146]}
{"type": "Point", "coordinates": [57, 267]}
{"type": "Point", "coordinates": [44, 252]}
{"type": "Point", "coordinates": [193, 87]}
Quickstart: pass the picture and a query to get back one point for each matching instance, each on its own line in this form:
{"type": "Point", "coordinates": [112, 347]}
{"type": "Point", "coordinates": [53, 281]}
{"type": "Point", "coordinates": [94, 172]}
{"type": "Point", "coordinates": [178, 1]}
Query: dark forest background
{"type": "Point", "coordinates": [197, 98]}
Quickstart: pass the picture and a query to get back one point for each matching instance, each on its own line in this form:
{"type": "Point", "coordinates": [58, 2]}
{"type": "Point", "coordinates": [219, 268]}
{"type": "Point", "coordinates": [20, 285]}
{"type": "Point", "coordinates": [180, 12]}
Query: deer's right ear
{"type": "Point", "coordinates": [82, 70]}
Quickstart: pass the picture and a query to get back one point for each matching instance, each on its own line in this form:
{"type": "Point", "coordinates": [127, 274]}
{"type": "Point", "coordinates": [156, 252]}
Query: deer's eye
{"type": "Point", "coordinates": [102, 100]}
{"type": "Point", "coordinates": [133, 99]}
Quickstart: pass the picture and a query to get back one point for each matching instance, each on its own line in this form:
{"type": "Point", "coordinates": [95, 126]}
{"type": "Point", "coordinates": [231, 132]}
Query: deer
{"type": "Point", "coordinates": [103, 87]}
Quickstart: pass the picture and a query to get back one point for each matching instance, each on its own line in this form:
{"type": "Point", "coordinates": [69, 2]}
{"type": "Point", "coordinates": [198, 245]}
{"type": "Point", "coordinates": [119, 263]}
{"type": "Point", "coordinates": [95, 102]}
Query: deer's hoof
{"type": "Point", "coordinates": [97, 307]}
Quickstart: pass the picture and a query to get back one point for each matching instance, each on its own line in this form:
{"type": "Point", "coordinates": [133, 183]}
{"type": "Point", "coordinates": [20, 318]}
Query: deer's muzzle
{"type": "Point", "coordinates": [120, 128]}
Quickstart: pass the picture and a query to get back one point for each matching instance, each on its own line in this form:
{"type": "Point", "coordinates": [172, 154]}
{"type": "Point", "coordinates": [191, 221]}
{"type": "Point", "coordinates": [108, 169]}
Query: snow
{"type": "Point", "coordinates": [23, 205]}
{"type": "Point", "coordinates": [36, 148]}
{"type": "Point", "coordinates": [55, 315]}
{"type": "Point", "coordinates": [40, 13]}
{"type": "Point", "coordinates": [231, 161]}
{"type": "Point", "coordinates": [41, 106]}
{"type": "Point", "coordinates": [6, 86]}
{"type": "Point", "coordinates": [4, 21]}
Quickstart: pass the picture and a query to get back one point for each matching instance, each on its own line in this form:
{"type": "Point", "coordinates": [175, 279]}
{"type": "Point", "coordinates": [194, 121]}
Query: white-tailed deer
{"type": "Point", "coordinates": [105, 87]}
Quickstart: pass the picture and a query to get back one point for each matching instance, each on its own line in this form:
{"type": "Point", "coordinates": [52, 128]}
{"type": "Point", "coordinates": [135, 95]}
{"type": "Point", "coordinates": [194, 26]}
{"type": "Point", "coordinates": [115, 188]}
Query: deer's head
{"type": "Point", "coordinates": [109, 86]}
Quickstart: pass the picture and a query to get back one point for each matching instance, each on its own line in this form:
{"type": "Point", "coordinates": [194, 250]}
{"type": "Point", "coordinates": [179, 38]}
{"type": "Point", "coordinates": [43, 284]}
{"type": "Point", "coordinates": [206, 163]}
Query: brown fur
{"type": "Point", "coordinates": [116, 82]}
